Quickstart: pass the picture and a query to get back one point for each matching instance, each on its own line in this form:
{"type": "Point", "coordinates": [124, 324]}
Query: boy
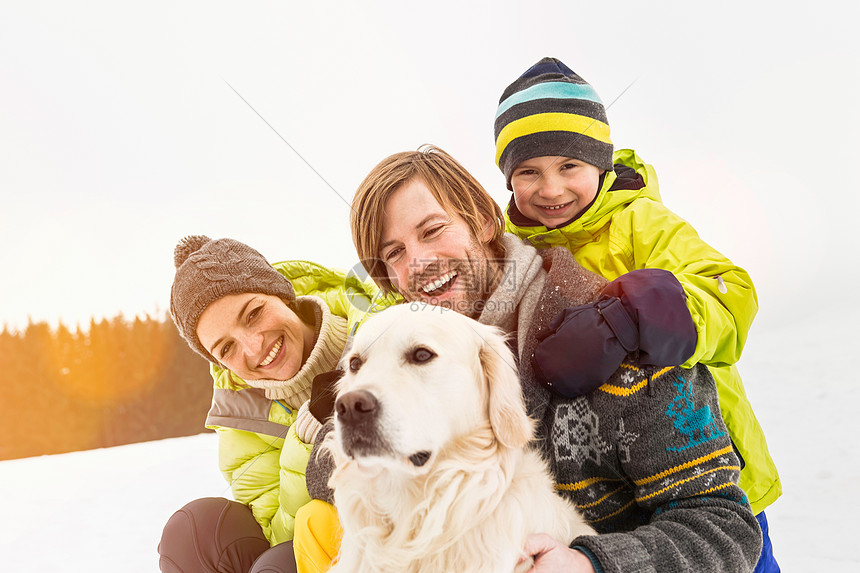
{"type": "Point", "coordinates": [672, 298]}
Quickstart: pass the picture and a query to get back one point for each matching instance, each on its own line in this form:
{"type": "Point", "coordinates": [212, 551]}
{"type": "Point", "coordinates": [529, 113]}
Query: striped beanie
{"type": "Point", "coordinates": [207, 270]}
{"type": "Point", "coordinates": [550, 110]}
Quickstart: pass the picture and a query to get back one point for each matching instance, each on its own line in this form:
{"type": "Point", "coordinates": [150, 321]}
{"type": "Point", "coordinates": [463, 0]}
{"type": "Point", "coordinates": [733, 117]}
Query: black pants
{"type": "Point", "coordinates": [216, 535]}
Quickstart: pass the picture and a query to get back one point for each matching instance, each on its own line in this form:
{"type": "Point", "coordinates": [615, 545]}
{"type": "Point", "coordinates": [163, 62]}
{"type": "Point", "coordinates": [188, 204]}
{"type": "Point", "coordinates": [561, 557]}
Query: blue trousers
{"type": "Point", "coordinates": [766, 562]}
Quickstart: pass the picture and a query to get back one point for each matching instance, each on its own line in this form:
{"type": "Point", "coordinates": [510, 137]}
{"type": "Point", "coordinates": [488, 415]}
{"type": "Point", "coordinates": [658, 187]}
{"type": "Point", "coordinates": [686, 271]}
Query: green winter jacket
{"type": "Point", "coordinates": [259, 452]}
{"type": "Point", "coordinates": [627, 229]}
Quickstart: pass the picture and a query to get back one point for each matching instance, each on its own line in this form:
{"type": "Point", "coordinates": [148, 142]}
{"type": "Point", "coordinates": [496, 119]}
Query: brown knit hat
{"type": "Point", "coordinates": [207, 270]}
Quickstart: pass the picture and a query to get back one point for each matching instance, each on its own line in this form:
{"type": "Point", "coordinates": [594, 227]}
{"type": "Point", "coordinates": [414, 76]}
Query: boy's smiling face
{"type": "Point", "coordinates": [553, 190]}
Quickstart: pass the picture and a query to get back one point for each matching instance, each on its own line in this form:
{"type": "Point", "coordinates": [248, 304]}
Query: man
{"type": "Point", "coordinates": [646, 457]}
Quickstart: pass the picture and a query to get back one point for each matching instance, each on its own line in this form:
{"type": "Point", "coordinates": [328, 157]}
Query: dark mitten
{"type": "Point", "coordinates": [323, 393]}
{"type": "Point", "coordinates": [584, 345]}
{"type": "Point", "coordinates": [643, 310]}
{"type": "Point", "coordinates": [656, 301]}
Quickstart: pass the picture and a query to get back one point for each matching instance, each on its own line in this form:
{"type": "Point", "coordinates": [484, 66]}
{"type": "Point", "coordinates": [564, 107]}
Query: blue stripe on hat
{"type": "Point", "coordinates": [550, 90]}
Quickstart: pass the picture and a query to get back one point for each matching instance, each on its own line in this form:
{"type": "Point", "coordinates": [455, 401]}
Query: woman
{"type": "Point", "coordinates": [265, 345]}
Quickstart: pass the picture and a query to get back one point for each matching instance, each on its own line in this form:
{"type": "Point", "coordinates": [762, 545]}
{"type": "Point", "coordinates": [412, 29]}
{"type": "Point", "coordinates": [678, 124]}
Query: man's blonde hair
{"type": "Point", "coordinates": [452, 186]}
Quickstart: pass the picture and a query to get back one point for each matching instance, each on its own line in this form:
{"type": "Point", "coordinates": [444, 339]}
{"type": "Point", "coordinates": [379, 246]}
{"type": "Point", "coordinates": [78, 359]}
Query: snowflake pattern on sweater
{"type": "Point", "coordinates": [645, 438]}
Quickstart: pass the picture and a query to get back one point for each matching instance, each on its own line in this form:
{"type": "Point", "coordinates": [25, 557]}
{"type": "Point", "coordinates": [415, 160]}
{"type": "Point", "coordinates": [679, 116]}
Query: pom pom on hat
{"type": "Point", "coordinates": [208, 270]}
{"type": "Point", "coordinates": [186, 246]}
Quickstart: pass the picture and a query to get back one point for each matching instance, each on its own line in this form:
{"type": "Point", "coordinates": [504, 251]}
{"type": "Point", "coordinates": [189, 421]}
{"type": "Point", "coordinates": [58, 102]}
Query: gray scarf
{"type": "Point", "coordinates": [536, 286]}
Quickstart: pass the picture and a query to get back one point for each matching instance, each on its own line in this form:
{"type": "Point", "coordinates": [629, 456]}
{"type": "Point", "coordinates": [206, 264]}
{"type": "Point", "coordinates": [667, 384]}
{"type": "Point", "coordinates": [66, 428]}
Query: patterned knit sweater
{"type": "Point", "coordinates": [646, 457]}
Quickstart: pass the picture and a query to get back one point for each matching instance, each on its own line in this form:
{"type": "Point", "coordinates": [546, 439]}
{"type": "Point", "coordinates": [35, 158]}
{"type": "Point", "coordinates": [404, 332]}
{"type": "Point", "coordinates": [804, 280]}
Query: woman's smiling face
{"type": "Point", "coordinates": [255, 336]}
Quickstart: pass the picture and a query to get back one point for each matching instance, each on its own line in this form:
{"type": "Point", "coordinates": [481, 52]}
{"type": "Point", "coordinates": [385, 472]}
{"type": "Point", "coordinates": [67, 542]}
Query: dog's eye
{"type": "Point", "coordinates": [354, 364]}
{"type": "Point", "coordinates": [421, 355]}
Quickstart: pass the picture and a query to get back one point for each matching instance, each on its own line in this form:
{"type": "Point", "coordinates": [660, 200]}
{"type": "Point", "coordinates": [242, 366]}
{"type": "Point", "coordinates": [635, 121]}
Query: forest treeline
{"type": "Point", "coordinates": [119, 382]}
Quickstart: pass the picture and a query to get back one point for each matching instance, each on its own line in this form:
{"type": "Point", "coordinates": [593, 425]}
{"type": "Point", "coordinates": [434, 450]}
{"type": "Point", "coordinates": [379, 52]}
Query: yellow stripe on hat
{"type": "Point", "coordinates": [541, 122]}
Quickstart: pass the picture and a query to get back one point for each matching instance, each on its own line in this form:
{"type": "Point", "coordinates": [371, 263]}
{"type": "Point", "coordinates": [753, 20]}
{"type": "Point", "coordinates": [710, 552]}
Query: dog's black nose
{"type": "Point", "coordinates": [358, 406]}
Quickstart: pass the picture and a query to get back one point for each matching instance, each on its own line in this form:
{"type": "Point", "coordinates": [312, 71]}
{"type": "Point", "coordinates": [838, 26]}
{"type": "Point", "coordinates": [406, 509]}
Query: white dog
{"type": "Point", "coordinates": [431, 472]}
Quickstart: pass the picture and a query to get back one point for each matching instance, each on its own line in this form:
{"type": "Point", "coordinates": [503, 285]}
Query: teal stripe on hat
{"type": "Point", "coordinates": [550, 90]}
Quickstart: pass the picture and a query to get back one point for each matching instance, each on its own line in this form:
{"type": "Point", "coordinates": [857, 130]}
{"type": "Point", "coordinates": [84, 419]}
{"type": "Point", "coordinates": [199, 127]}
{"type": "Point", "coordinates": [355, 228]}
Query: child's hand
{"type": "Point", "coordinates": [657, 302]}
{"type": "Point", "coordinates": [644, 310]}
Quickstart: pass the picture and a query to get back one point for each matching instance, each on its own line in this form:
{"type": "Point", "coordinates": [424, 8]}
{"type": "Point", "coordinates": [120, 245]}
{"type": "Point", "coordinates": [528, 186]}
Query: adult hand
{"type": "Point", "coordinates": [550, 556]}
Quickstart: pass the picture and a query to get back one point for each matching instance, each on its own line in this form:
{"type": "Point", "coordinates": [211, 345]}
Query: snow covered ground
{"type": "Point", "coordinates": [103, 510]}
{"type": "Point", "coordinates": [805, 388]}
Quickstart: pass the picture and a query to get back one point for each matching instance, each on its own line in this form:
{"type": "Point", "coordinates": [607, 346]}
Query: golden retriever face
{"type": "Point", "coordinates": [418, 377]}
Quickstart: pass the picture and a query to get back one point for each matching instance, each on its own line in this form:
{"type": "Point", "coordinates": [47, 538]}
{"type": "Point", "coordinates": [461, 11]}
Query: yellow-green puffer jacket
{"type": "Point", "coordinates": [628, 229]}
{"type": "Point", "coordinates": [258, 450]}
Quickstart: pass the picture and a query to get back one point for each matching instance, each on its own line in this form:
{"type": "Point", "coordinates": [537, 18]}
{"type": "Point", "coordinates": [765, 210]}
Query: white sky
{"type": "Point", "coordinates": [119, 135]}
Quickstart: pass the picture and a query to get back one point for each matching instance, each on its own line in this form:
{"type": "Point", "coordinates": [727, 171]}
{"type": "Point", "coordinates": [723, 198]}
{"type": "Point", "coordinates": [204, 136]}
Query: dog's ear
{"type": "Point", "coordinates": [512, 427]}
